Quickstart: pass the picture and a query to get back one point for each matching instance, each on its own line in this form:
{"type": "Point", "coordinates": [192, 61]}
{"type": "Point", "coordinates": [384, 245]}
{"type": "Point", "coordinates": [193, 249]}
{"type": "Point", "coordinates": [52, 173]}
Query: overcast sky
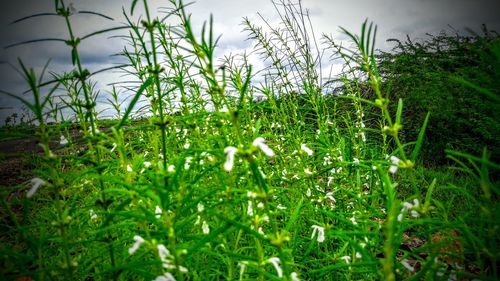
{"type": "Point", "coordinates": [395, 19]}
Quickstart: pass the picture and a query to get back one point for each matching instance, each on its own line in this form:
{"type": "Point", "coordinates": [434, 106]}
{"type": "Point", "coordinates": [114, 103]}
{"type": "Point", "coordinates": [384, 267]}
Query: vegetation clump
{"type": "Point", "coordinates": [455, 77]}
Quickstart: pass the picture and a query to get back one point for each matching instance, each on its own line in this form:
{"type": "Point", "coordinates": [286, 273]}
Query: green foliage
{"type": "Point", "coordinates": [444, 75]}
{"type": "Point", "coordinates": [214, 185]}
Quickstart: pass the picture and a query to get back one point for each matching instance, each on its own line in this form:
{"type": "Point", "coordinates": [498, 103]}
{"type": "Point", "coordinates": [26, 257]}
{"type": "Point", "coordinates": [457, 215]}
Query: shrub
{"type": "Point", "coordinates": [427, 77]}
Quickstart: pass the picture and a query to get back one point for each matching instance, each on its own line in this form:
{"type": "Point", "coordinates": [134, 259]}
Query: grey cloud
{"type": "Point", "coordinates": [395, 18]}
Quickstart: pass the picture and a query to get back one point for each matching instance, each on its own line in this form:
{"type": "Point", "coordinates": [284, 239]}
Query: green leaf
{"type": "Point", "coordinates": [399, 111]}
{"type": "Point", "coordinates": [104, 31]}
{"type": "Point", "coordinates": [295, 215]}
{"type": "Point", "coordinates": [74, 55]}
{"type": "Point", "coordinates": [33, 16]}
{"type": "Point", "coordinates": [134, 2]}
{"type": "Point", "coordinates": [428, 195]}
{"type": "Point", "coordinates": [420, 139]}
{"type": "Point", "coordinates": [25, 102]}
{"type": "Point", "coordinates": [34, 41]}
{"type": "Point", "coordinates": [96, 14]}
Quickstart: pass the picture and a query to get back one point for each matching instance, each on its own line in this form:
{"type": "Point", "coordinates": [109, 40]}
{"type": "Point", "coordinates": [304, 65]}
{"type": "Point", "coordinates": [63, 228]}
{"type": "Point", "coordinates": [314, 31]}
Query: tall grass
{"type": "Point", "coordinates": [216, 185]}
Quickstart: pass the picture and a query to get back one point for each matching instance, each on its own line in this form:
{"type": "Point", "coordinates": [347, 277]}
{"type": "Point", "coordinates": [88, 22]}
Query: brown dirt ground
{"type": "Point", "coordinates": [14, 161]}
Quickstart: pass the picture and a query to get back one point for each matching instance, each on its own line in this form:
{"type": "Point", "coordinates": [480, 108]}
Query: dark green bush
{"type": "Point", "coordinates": [442, 75]}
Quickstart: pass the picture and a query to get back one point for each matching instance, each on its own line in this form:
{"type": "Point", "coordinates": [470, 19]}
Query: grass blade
{"type": "Point", "coordinates": [420, 139]}
{"type": "Point", "coordinates": [96, 14]}
{"type": "Point", "coordinates": [34, 16]}
{"type": "Point", "coordinates": [104, 31]}
{"type": "Point", "coordinates": [35, 41]}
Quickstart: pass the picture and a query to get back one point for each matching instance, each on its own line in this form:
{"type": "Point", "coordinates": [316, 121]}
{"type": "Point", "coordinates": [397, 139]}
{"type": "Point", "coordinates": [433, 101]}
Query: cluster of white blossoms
{"type": "Point", "coordinates": [165, 277]}
{"type": "Point", "coordinates": [231, 151]}
{"type": "Point", "coordinates": [411, 207]}
{"type": "Point", "coordinates": [348, 259]}
{"type": "Point", "coordinates": [394, 164]}
{"type": "Point", "coordinates": [165, 257]}
{"type": "Point", "coordinates": [275, 261]}
{"type": "Point", "coordinates": [93, 215]}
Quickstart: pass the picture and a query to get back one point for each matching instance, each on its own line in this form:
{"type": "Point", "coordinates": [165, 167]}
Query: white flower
{"type": "Point", "coordinates": [260, 231]}
{"type": "Point", "coordinates": [307, 171]}
{"type": "Point", "coordinates": [407, 205]}
{"type": "Point", "coordinates": [308, 192]}
{"type": "Point", "coordinates": [347, 259]}
{"type": "Point", "coordinates": [168, 265]}
{"type": "Point", "coordinates": [394, 167]}
{"type": "Point", "coordinates": [321, 233]}
{"type": "Point", "coordinates": [158, 212]}
{"type": "Point", "coordinates": [358, 255]}
{"type": "Point", "coordinates": [63, 141]}
{"type": "Point", "coordinates": [187, 163]}
{"type": "Point", "coordinates": [415, 202]}
{"type": "Point", "coordinates": [306, 149]}
{"type": "Point", "coordinates": [171, 168]}
{"type": "Point", "coordinates": [138, 241]}
{"type": "Point", "coordinates": [165, 277]}
{"type": "Point", "coordinates": [353, 220]}
{"type": "Point", "coordinates": [414, 214]}
{"type": "Point", "coordinates": [35, 184]}
{"type": "Point", "coordinates": [251, 194]}
{"type": "Point", "coordinates": [230, 151]}
{"type": "Point", "coordinates": [243, 266]}
{"type": "Point", "coordinates": [200, 207]}
{"type": "Point", "coordinates": [163, 252]}
{"type": "Point", "coordinates": [129, 168]}
{"type": "Point", "coordinates": [250, 209]}
{"type": "Point", "coordinates": [205, 228]}
{"type": "Point", "coordinates": [407, 265]}
{"type": "Point", "coordinates": [260, 143]}
{"type": "Point", "coordinates": [294, 276]}
{"type": "Point", "coordinates": [147, 164]}
{"type": "Point", "coordinates": [355, 160]}
{"type": "Point", "coordinates": [400, 217]}
{"type": "Point", "coordinates": [187, 145]}
{"type": "Point", "coordinates": [93, 215]}
{"type": "Point", "coordinates": [275, 261]}
{"type": "Point", "coordinates": [281, 207]}
{"type": "Point", "coordinates": [330, 179]}
{"type": "Point", "coordinates": [329, 195]}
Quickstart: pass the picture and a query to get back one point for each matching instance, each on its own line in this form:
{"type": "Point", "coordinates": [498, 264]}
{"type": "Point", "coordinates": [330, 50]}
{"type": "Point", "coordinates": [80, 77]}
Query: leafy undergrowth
{"type": "Point", "coordinates": [230, 188]}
